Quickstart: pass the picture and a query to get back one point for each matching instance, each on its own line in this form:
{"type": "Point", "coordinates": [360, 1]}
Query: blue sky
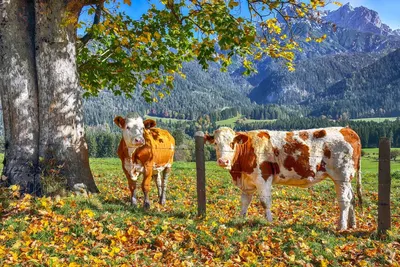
{"type": "Point", "coordinates": [389, 10]}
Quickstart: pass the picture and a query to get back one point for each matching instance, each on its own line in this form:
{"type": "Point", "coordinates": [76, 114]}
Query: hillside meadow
{"type": "Point", "coordinates": [104, 230]}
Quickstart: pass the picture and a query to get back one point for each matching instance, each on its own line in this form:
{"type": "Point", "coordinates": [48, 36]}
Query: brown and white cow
{"type": "Point", "coordinates": [258, 159]}
{"type": "Point", "coordinates": [145, 150]}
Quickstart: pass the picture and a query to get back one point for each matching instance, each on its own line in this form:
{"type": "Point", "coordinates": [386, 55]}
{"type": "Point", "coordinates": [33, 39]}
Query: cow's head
{"type": "Point", "coordinates": [225, 141]}
{"type": "Point", "coordinates": [132, 130]}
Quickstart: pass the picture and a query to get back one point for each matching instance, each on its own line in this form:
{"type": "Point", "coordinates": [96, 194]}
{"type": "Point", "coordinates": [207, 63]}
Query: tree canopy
{"type": "Point", "coordinates": [123, 54]}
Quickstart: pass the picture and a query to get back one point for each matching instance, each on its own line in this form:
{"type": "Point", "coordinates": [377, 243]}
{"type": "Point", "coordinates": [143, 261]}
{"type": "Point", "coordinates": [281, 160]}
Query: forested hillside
{"type": "Point", "coordinates": [311, 77]}
{"type": "Point", "coordinates": [200, 93]}
{"type": "Point", "coordinates": [372, 91]}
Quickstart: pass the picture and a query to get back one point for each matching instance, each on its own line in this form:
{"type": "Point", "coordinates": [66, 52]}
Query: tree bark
{"type": "Point", "coordinates": [19, 95]}
{"type": "Point", "coordinates": [41, 96]}
{"type": "Point", "coordinates": [60, 96]}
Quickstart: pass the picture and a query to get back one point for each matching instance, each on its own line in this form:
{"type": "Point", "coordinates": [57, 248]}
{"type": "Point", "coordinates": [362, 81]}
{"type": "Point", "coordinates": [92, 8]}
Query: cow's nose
{"type": "Point", "coordinates": [223, 162]}
{"type": "Point", "coordinates": [139, 141]}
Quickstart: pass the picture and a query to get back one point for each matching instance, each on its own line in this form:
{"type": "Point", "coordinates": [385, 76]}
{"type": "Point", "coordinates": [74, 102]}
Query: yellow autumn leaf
{"type": "Point", "coordinates": [157, 255]}
{"type": "Point", "coordinates": [313, 233]}
{"type": "Point", "coordinates": [157, 35]}
{"type": "Point", "coordinates": [14, 187]}
{"type": "Point", "coordinates": [17, 244]}
{"type": "Point", "coordinates": [324, 262]}
{"type": "Point", "coordinates": [88, 212]}
{"type": "Point", "coordinates": [233, 4]}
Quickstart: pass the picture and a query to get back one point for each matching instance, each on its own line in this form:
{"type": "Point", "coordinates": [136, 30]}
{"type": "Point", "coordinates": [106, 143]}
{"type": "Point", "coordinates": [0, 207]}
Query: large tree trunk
{"type": "Point", "coordinates": [60, 97]}
{"type": "Point", "coordinates": [19, 95]}
{"type": "Point", "coordinates": [45, 115]}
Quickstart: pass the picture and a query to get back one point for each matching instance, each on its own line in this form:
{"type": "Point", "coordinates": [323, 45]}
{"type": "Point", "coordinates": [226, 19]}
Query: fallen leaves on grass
{"type": "Point", "coordinates": [105, 230]}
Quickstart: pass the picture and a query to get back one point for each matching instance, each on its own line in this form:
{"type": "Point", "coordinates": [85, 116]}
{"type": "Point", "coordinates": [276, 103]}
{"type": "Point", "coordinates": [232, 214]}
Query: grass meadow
{"type": "Point", "coordinates": [232, 121]}
{"type": "Point", "coordinates": [377, 119]}
{"type": "Point", "coordinates": [104, 230]}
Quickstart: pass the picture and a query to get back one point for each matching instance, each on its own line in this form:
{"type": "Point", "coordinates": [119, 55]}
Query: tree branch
{"type": "Point", "coordinates": [96, 20]}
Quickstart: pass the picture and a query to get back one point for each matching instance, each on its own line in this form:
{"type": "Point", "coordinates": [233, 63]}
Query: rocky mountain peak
{"type": "Point", "coordinates": [360, 18]}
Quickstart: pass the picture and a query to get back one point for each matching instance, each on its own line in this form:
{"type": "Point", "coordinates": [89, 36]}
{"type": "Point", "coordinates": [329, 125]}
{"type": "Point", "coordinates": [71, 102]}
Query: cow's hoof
{"type": "Point", "coordinates": [146, 205]}
{"type": "Point", "coordinates": [162, 202]}
{"type": "Point", "coordinates": [341, 228]}
{"type": "Point", "coordinates": [134, 202]}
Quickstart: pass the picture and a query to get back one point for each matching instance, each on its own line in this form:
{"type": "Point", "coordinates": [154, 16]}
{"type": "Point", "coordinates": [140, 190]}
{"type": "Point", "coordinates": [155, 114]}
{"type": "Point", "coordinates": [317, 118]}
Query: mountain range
{"type": "Point", "coordinates": [355, 72]}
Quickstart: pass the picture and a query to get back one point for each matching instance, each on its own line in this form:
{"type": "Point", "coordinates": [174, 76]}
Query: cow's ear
{"type": "Point", "coordinates": [120, 122]}
{"type": "Point", "coordinates": [239, 139]}
{"type": "Point", "coordinates": [209, 139]}
{"type": "Point", "coordinates": [149, 123]}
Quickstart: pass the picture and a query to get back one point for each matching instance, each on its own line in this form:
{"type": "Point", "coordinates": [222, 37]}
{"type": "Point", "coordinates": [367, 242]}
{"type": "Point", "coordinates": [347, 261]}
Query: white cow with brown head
{"type": "Point", "coordinates": [258, 159]}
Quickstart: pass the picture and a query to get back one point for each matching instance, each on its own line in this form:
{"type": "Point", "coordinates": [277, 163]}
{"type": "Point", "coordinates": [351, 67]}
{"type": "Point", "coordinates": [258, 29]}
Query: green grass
{"type": "Point", "coordinates": [232, 121]}
{"type": "Point", "coordinates": [105, 230]}
{"type": "Point", "coordinates": [370, 161]}
{"type": "Point", "coordinates": [250, 121]}
{"type": "Point", "coordinates": [376, 119]}
{"type": "Point", "coordinates": [165, 120]}
{"type": "Point", "coordinates": [228, 122]}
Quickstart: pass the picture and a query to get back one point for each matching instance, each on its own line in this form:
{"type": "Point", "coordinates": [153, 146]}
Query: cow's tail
{"type": "Point", "coordinates": [359, 186]}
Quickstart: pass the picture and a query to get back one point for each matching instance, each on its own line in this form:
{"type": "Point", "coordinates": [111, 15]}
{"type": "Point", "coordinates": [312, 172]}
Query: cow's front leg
{"type": "Point", "coordinates": [148, 171]}
{"type": "Point", "coordinates": [163, 197]}
{"type": "Point", "coordinates": [245, 200]}
{"type": "Point", "coordinates": [132, 187]}
{"type": "Point", "coordinates": [265, 197]}
{"type": "Point", "coordinates": [352, 216]}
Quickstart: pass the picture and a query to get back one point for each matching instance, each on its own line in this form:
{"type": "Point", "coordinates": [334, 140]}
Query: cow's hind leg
{"type": "Point", "coordinates": [245, 200]}
{"type": "Point", "coordinates": [166, 174]}
{"type": "Point", "coordinates": [157, 180]}
{"type": "Point", "coordinates": [265, 198]}
{"type": "Point", "coordinates": [344, 195]}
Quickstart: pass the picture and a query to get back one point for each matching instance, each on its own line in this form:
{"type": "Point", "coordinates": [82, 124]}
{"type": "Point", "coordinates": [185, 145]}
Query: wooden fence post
{"type": "Point", "coordinates": [201, 174]}
{"type": "Point", "coordinates": [384, 186]}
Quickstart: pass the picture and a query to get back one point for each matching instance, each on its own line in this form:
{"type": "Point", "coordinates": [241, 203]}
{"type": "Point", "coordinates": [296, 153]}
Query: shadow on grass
{"type": "Point", "coordinates": [240, 223]}
{"type": "Point", "coordinates": [124, 205]}
{"type": "Point", "coordinates": [251, 223]}
{"type": "Point", "coordinates": [331, 231]}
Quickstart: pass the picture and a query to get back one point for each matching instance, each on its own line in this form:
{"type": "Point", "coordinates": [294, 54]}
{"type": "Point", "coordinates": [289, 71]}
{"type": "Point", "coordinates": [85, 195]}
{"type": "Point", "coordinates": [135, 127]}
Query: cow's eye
{"type": "Point", "coordinates": [128, 128]}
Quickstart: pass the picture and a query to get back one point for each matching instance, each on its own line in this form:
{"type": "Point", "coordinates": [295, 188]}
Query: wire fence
{"type": "Point", "coordinates": [278, 157]}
